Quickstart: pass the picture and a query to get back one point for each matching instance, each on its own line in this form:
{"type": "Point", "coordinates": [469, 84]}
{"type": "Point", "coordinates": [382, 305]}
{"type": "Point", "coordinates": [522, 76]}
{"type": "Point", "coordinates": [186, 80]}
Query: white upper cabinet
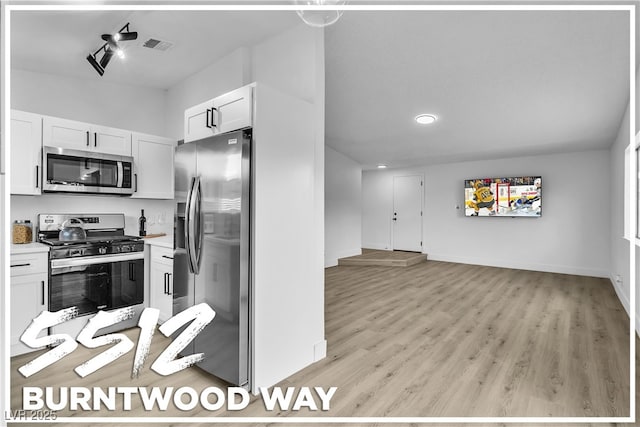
{"type": "Point", "coordinates": [234, 110]}
{"type": "Point", "coordinates": [65, 133]}
{"type": "Point", "coordinates": [198, 122]}
{"type": "Point", "coordinates": [26, 148]}
{"type": "Point", "coordinates": [111, 140]}
{"type": "Point", "coordinates": [226, 113]}
{"type": "Point", "coordinates": [57, 132]}
{"type": "Point", "coordinates": [154, 170]}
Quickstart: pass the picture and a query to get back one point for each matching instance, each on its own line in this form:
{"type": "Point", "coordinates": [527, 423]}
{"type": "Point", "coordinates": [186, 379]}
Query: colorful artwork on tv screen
{"type": "Point", "coordinates": [514, 196]}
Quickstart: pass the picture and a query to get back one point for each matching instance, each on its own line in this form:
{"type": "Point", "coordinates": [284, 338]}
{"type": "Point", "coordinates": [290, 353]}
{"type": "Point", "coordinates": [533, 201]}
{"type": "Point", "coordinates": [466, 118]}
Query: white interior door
{"type": "Point", "coordinates": [407, 213]}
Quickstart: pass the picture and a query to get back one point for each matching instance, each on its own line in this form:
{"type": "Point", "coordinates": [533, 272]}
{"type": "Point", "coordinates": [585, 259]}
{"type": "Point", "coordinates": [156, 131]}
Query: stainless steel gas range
{"type": "Point", "coordinates": [102, 271]}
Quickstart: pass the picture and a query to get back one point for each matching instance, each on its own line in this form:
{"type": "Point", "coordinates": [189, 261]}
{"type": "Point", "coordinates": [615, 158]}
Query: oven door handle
{"type": "Point", "coordinates": [91, 260]}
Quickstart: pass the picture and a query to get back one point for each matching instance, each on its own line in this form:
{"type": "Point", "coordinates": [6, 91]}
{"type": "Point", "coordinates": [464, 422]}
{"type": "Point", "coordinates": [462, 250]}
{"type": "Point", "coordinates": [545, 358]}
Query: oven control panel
{"type": "Point", "coordinates": [83, 250]}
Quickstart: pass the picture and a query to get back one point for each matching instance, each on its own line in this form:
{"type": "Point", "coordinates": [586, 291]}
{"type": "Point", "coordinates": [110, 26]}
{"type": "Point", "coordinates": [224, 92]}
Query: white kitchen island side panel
{"type": "Point", "coordinates": [288, 318]}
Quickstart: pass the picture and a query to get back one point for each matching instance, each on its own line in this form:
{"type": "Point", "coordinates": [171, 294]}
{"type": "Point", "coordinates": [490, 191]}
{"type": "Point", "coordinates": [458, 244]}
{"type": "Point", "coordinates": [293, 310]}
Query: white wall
{"type": "Point", "coordinates": [287, 314]}
{"type": "Point", "coordinates": [572, 236]}
{"type": "Point", "coordinates": [291, 63]}
{"type": "Point", "coordinates": [89, 100]}
{"type": "Point", "coordinates": [619, 256]}
{"type": "Point", "coordinates": [160, 212]}
{"type": "Point", "coordinates": [343, 207]}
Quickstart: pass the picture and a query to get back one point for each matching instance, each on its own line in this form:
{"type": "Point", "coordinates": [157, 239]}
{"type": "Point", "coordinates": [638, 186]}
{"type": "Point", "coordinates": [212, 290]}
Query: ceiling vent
{"type": "Point", "coordinates": [156, 44]}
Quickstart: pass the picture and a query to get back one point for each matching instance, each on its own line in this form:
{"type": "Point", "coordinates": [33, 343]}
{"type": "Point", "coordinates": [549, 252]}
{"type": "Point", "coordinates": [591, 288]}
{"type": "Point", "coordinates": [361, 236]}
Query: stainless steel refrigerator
{"type": "Point", "coordinates": [211, 255]}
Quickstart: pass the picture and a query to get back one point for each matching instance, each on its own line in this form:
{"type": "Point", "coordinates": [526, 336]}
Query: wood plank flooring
{"type": "Point", "coordinates": [433, 339]}
{"type": "Point", "coordinates": [372, 257]}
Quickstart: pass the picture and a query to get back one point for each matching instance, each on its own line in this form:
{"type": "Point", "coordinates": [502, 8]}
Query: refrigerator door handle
{"type": "Point", "coordinates": [187, 225]}
{"type": "Point", "coordinates": [198, 235]}
{"type": "Point", "coordinates": [192, 249]}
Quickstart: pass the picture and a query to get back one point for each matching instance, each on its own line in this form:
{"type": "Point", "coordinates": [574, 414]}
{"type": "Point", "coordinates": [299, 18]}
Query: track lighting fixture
{"type": "Point", "coordinates": [110, 47]}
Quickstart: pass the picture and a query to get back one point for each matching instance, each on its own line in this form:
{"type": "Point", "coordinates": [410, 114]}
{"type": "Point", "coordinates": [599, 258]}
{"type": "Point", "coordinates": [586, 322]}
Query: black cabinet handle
{"type": "Point", "coordinates": [207, 119]}
{"type": "Point", "coordinates": [87, 138]}
{"type": "Point", "coordinates": [167, 257]}
{"type": "Point", "coordinates": [37, 176]}
{"type": "Point", "coordinates": [21, 265]}
{"type": "Point", "coordinates": [212, 110]}
{"type": "Point", "coordinates": [95, 139]}
{"type": "Point", "coordinates": [42, 283]}
{"type": "Point", "coordinates": [166, 277]}
{"type": "Point", "coordinates": [135, 179]}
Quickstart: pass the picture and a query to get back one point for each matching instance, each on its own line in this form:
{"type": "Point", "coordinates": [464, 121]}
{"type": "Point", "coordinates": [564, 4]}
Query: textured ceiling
{"type": "Point", "coordinates": [502, 83]}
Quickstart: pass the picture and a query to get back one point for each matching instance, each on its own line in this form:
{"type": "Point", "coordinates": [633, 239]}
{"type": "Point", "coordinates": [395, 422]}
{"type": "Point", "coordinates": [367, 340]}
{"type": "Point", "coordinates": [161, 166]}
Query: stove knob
{"type": "Point", "coordinates": [102, 250]}
{"type": "Point", "coordinates": [125, 248]}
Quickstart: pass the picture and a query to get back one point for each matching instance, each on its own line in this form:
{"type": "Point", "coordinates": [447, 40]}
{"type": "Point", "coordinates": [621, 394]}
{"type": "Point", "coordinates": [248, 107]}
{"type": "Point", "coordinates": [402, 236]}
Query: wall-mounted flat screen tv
{"type": "Point", "coordinates": [514, 196]}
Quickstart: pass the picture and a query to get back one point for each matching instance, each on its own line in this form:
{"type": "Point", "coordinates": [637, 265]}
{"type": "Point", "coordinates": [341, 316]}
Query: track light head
{"type": "Point", "coordinates": [130, 35]}
{"type": "Point", "coordinates": [94, 63]}
{"type": "Point", "coordinates": [110, 47]}
{"type": "Point", "coordinates": [111, 41]}
{"type": "Point", "coordinates": [108, 53]}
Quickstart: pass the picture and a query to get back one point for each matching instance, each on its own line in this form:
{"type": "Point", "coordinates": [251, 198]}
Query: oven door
{"type": "Point", "coordinates": [96, 283]}
{"type": "Point", "coordinates": [85, 172]}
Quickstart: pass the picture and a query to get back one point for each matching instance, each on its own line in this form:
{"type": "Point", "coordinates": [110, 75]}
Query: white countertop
{"type": "Point", "coordinates": [28, 248]}
{"type": "Point", "coordinates": [164, 241]}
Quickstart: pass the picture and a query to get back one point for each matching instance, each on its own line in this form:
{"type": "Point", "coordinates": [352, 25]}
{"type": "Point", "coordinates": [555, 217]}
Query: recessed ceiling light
{"type": "Point", "coordinates": [425, 119]}
{"type": "Point", "coordinates": [382, 166]}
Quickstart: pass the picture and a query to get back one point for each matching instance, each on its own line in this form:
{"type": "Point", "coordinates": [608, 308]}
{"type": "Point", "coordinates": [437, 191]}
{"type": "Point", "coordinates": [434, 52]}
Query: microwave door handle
{"type": "Point", "coordinates": [119, 175]}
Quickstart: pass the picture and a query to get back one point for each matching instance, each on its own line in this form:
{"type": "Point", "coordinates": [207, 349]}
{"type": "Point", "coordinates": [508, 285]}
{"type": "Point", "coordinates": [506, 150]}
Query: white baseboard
{"type": "Point", "coordinates": [625, 302]}
{"type": "Point", "coordinates": [331, 260]}
{"type": "Point", "coordinates": [550, 268]}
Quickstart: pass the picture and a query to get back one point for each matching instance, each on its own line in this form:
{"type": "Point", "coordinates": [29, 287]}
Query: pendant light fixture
{"type": "Point", "coordinates": [321, 14]}
{"type": "Point", "coordinates": [111, 47]}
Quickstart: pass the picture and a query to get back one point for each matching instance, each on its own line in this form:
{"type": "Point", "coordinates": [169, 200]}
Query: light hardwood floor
{"type": "Point", "coordinates": [434, 339]}
{"type": "Point", "coordinates": [373, 257]}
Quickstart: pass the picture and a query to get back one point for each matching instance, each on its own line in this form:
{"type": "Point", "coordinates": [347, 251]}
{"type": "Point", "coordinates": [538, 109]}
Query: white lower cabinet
{"type": "Point", "coordinates": [29, 295]}
{"type": "Point", "coordinates": [161, 281]}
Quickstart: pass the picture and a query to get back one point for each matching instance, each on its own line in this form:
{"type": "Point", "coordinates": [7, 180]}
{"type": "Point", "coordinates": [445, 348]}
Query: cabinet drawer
{"type": "Point", "coordinates": [162, 255]}
{"type": "Point", "coordinates": [22, 264]}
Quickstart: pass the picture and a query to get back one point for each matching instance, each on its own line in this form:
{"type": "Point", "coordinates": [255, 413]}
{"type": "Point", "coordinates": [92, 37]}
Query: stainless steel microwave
{"type": "Point", "coordinates": [76, 171]}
